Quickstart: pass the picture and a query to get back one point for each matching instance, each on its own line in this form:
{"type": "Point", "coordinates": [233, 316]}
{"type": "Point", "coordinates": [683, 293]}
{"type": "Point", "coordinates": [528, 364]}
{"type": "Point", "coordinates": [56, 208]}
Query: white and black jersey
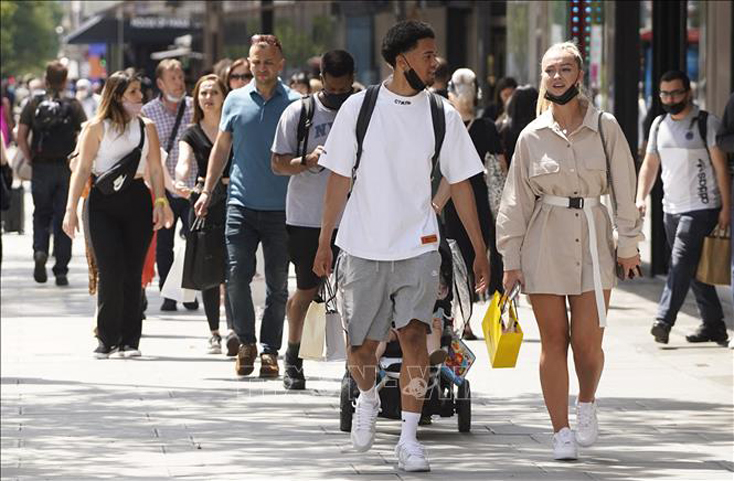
{"type": "Point", "coordinates": [689, 182]}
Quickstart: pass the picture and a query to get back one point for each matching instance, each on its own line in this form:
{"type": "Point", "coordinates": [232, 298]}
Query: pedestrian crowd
{"type": "Point", "coordinates": [361, 188]}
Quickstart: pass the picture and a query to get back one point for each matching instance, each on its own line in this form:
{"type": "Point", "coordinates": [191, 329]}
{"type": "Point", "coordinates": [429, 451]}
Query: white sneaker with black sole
{"type": "Point", "coordinates": [363, 423]}
{"type": "Point", "coordinates": [412, 457]}
{"type": "Point", "coordinates": [587, 425]}
{"type": "Point", "coordinates": [564, 445]}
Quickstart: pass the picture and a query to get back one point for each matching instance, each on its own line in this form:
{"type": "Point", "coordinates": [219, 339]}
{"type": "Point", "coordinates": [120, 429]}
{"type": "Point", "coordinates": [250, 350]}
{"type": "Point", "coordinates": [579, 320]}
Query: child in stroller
{"type": "Point", "coordinates": [446, 393]}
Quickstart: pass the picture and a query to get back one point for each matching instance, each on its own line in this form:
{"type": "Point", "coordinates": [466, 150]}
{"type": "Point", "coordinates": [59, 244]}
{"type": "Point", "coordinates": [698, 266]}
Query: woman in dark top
{"type": "Point", "coordinates": [520, 112]}
{"type": "Point", "coordinates": [195, 145]}
{"type": "Point", "coordinates": [463, 96]}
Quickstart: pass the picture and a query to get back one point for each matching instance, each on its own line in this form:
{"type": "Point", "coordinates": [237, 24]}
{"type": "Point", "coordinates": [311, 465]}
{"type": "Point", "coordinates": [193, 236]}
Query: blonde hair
{"type": "Point", "coordinates": [464, 84]}
{"type": "Point", "coordinates": [567, 47]}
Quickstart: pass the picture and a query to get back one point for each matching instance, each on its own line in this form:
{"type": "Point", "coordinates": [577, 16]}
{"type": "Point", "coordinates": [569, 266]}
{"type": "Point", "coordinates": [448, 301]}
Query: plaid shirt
{"type": "Point", "coordinates": [164, 121]}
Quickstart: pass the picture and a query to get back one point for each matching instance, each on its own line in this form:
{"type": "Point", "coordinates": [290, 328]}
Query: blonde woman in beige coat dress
{"type": "Point", "coordinates": [556, 238]}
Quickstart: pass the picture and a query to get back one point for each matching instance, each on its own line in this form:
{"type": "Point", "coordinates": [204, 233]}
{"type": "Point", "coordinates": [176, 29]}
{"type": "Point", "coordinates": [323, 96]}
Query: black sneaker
{"type": "Point", "coordinates": [62, 280]}
{"type": "Point", "coordinates": [293, 379]}
{"type": "Point", "coordinates": [168, 305]}
{"type": "Point", "coordinates": [103, 351]}
{"type": "Point", "coordinates": [705, 333]}
{"type": "Point", "coordinates": [660, 331]}
{"type": "Point", "coordinates": [192, 306]}
{"type": "Point", "coordinates": [39, 271]}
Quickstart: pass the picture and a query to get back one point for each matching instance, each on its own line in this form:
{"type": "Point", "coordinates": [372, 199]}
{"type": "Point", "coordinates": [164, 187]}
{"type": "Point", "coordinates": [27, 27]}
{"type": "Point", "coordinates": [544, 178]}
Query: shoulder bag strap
{"type": "Point", "coordinates": [703, 119]}
{"type": "Point", "coordinates": [610, 183]}
{"type": "Point", "coordinates": [179, 116]}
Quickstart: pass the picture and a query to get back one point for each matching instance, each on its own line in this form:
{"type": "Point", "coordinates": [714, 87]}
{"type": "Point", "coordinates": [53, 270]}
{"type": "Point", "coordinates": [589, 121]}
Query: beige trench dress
{"type": "Point", "coordinates": [550, 244]}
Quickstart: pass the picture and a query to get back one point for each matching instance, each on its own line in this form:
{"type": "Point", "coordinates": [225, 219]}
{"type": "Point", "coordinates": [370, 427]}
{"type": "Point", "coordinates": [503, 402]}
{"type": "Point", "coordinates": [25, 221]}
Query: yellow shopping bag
{"type": "Point", "coordinates": [502, 332]}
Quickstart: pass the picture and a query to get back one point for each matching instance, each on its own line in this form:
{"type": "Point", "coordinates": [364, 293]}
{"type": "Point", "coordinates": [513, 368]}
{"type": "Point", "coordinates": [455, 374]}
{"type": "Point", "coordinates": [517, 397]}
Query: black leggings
{"type": "Point", "coordinates": [121, 228]}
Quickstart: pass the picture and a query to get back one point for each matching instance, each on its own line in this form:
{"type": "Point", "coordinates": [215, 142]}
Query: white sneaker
{"type": "Point", "coordinates": [564, 445]}
{"type": "Point", "coordinates": [214, 346]}
{"type": "Point", "coordinates": [587, 426]}
{"type": "Point", "coordinates": [363, 423]}
{"type": "Point", "coordinates": [131, 352]}
{"type": "Point", "coordinates": [411, 457]}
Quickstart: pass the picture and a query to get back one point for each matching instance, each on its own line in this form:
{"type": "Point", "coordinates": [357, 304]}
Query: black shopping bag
{"type": "Point", "coordinates": [205, 258]}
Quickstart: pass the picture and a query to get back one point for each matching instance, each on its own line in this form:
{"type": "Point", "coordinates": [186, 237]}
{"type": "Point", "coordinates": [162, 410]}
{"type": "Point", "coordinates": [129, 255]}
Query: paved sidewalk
{"type": "Point", "coordinates": [666, 412]}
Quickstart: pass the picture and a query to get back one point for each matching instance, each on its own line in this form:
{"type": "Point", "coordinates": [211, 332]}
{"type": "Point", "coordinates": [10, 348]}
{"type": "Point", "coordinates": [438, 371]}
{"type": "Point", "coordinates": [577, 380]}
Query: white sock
{"type": "Point", "coordinates": [410, 426]}
{"type": "Point", "coordinates": [370, 394]}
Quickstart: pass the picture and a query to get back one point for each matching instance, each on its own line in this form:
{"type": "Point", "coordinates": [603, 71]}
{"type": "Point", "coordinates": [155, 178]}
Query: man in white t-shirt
{"type": "Point", "coordinates": [306, 186]}
{"type": "Point", "coordinates": [388, 269]}
{"type": "Point", "coordinates": [695, 201]}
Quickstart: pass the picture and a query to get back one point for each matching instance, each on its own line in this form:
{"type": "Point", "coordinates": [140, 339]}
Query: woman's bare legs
{"type": "Point", "coordinates": [586, 342]}
{"type": "Point", "coordinates": [550, 313]}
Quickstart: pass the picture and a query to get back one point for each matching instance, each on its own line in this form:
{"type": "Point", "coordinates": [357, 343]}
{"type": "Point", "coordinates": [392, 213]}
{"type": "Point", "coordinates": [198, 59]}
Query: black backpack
{"type": "Point", "coordinates": [365, 114]}
{"type": "Point", "coordinates": [54, 128]}
{"type": "Point", "coordinates": [304, 125]}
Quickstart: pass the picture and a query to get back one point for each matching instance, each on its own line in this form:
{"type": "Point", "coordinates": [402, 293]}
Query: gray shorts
{"type": "Point", "coordinates": [375, 294]}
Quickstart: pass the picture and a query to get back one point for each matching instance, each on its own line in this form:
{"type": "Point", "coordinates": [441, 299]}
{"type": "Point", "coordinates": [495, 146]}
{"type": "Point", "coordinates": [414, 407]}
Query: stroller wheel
{"type": "Point", "coordinates": [346, 397]}
{"type": "Point", "coordinates": [463, 407]}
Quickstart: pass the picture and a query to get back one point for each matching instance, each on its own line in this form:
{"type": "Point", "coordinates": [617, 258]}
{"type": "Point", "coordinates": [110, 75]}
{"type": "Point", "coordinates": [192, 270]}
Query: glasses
{"type": "Point", "coordinates": [669, 95]}
{"type": "Point", "coordinates": [241, 76]}
{"type": "Point", "coordinates": [266, 38]}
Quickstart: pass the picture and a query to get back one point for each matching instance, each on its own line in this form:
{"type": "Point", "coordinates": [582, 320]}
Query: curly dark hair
{"type": "Point", "coordinates": [403, 37]}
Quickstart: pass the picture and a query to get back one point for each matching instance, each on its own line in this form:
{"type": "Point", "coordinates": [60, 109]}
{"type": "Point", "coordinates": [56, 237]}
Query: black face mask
{"type": "Point", "coordinates": [334, 101]}
{"type": "Point", "coordinates": [675, 109]}
{"type": "Point", "coordinates": [565, 97]}
{"type": "Point", "coordinates": [413, 79]}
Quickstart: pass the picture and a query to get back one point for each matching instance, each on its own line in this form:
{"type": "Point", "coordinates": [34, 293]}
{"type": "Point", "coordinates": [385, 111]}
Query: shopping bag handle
{"type": "Point", "coordinates": [509, 296]}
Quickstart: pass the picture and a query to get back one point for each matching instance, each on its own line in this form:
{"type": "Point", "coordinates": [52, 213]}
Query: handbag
{"type": "Point", "coordinates": [205, 258]}
{"type": "Point", "coordinates": [715, 262]}
{"type": "Point", "coordinates": [21, 165]}
{"type": "Point", "coordinates": [502, 332]}
{"type": "Point", "coordinates": [119, 177]}
{"type": "Point", "coordinates": [314, 327]}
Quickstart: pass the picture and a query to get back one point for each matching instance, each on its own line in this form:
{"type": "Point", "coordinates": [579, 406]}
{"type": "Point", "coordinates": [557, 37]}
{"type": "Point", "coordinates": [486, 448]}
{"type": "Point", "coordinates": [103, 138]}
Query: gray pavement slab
{"type": "Point", "coordinates": [179, 413]}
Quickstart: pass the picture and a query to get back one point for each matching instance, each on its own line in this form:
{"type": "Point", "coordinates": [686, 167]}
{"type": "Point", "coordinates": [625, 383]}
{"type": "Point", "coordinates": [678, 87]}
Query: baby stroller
{"type": "Point", "coordinates": [448, 392]}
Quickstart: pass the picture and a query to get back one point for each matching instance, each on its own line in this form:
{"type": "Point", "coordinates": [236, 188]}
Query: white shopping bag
{"type": "Point", "coordinates": [172, 287]}
{"type": "Point", "coordinates": [312, 339]}
{"type": "Point", "coordinates": [336, 344]}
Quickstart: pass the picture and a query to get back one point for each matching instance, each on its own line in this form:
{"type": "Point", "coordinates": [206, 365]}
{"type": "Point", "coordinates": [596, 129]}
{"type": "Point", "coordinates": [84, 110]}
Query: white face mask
{"type": "Point", "coordinates": [174, 99]}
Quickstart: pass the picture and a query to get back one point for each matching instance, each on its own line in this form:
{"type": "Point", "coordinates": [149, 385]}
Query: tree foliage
{"type": "Point", "coordinates": [28, 37]}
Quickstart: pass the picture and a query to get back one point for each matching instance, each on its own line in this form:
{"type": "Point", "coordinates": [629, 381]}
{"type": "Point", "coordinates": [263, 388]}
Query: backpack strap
{"type": "Point", "coordinates": [439, 127]}
{"type": "Point", "coordinates": [305, 121]}
{"type": "Point", "coordinates": [702, 119]}
{"type": "Point", "coordinates": [363, 121]}
{"type": "Point", "coordinates": [142, 134]}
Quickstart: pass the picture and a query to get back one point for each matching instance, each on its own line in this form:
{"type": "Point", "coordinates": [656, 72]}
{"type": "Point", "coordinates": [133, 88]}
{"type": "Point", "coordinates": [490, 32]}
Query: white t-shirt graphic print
{"type": "Point", "coordinates": [389, 214]}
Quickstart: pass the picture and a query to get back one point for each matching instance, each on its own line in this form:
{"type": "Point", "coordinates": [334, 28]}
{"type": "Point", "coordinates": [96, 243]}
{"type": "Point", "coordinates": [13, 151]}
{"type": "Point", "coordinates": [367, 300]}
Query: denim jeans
{"type": "Point", "coordinates": [685, 234]}
{"type": "Point", "coordinates": [50, 187]}
{"type": "Point", "coordinates": [731, 226]}
{"type": "Point", "coordinates": [246, 228]}
{"type": "Point", "coordinates": [164, 240]}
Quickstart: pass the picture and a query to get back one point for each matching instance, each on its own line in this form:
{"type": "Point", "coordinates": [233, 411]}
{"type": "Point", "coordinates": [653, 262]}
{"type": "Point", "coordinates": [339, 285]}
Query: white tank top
{"type": "Point", "coordinates": [115, 146]}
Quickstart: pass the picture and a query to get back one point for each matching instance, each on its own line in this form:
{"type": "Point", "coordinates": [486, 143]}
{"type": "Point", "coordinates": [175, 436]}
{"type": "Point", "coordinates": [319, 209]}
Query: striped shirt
{"type": "Point", "coordinates": [164, 121]}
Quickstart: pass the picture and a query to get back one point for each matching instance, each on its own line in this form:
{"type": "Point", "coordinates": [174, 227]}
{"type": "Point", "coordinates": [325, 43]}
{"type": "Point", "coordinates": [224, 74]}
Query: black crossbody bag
{"type": "Point", "coordinates": [122, 174]}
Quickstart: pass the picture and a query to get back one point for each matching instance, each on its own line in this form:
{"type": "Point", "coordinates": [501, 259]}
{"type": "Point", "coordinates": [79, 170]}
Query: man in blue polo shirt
{"type": "Point", "coordinates": [256, 204]}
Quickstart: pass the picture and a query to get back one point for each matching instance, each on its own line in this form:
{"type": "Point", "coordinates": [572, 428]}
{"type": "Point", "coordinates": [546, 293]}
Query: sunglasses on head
{"type": "Point", "coordinates": [266, 38]}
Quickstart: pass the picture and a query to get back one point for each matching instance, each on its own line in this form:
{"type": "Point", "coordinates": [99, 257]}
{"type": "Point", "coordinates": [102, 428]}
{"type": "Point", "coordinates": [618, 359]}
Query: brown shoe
{"type": "Point", "coordinates": [269, 365]}
{"type": "Point", "coordinates": [246, 359]}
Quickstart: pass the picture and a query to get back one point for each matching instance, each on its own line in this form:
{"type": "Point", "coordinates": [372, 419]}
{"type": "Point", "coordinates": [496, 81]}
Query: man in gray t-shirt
{"type": "Point", "coordinates": [696, 200]}
{"type": "Point", "coordinates": [306, 188]}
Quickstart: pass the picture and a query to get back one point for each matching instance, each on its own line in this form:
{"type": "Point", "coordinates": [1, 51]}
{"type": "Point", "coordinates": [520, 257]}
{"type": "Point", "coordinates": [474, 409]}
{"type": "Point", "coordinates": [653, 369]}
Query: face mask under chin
{"type": "Point", "coordinates": [173, 98]}
{"type": "Point", "coordinates": [565, 97]}
{"type": "Point", "coordinates": [412, 77]}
